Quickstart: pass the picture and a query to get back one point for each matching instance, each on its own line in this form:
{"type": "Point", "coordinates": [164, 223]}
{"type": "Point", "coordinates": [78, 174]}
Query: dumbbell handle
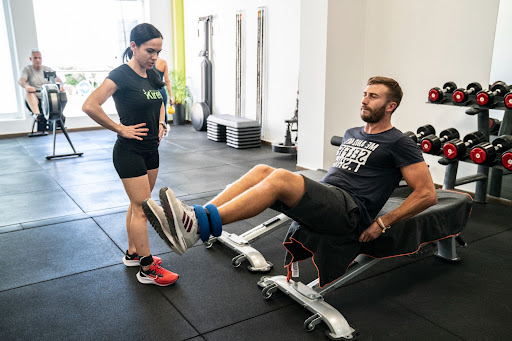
{"type": "Point", "coordinates": [470, 90]}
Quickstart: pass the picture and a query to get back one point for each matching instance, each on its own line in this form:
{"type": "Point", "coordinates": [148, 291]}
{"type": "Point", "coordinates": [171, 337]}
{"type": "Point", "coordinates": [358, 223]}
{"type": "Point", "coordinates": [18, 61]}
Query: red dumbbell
{"type": "Point", "coordinates": [487, 98]}
{"type": "Point", "coordinates": [436, 95]}
{"type": "Point", "coordinates": [486, 152]}
{"type": "Point", "coordinates": [506, 159]}
{"type": "Point", "coordinates": [421, 132]}
{"type": "Point", "coordinates": [456, 149]}
{"type": "Point", "coordinates": [461, 95]}
{"type": "Point", "coordinates": [494, 126]}
{"type": "Point", "coordinates": [432, 144]}
{"type": "Point", "coordinates": [508, 100]}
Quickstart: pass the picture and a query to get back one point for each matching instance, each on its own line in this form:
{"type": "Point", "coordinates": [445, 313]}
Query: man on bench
{"type": "Point", "coordinates": [339, 213]}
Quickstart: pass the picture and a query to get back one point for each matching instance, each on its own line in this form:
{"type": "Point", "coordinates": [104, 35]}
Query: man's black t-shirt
{"type": "Point", "coordinates": [137, 101]}
{"type": "Point", "coordinates": [368, 167]}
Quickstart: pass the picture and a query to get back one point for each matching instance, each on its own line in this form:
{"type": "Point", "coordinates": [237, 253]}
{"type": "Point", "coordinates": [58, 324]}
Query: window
{"type": "Point", "coordinates": [83, 41]}
{"type": "Point", "coordinates": [9, 96]}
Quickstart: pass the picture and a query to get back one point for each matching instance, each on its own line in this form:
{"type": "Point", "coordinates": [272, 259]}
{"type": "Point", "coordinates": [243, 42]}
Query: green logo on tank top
{"type": "Point", "coordinates": [152, 94]}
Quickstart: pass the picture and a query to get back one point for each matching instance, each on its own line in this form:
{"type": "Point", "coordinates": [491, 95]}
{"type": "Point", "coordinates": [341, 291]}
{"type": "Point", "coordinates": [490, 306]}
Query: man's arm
{"type": "Point", "coordinates": [61, 83]}
{"type": "Point", "coordinates": [24, 84]}
{"type": "Point", "coordinates": [423, 196]}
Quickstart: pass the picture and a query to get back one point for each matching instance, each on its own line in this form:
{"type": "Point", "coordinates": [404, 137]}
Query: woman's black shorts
{"type": "Point", "coordinates": [130, 164]}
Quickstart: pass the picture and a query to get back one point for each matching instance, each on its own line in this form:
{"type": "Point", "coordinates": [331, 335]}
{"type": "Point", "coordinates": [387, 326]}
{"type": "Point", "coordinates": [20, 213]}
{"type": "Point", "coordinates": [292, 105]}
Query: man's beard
{"type": "Point", "coordinates": [373, 115]}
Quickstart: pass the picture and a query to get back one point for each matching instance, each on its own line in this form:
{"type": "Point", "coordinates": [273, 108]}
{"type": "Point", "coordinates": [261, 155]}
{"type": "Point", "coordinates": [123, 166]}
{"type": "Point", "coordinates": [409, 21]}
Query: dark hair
{"type": "Point", "coordinates": [139, 35]}
{"type": "Point", "coordinates": [395, 92]}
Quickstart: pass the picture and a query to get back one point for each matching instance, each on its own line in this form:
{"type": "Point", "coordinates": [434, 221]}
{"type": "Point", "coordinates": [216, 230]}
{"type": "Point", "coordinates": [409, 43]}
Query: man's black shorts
{"type": "Point", "coordinates": [325, 208]}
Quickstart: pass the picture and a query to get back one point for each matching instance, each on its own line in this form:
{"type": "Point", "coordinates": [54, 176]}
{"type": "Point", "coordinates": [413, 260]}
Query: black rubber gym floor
{"type": "Point", "coordinates": [62, 237]}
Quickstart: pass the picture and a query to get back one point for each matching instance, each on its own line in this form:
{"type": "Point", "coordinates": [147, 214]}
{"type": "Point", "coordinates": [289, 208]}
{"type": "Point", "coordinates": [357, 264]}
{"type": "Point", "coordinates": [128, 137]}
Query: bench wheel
{"type": "Point", "coordinates": [237, 260]}
{"type": "Point", "coordinates": [311, 322]}
{"type": "Point", "coordinates": [209, 242]}
{"type": "Point", "coordinates": [269, 290]}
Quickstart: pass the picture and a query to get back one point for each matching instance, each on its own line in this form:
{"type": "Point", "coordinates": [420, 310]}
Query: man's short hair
{"type": "Point", "coordinates": [395, 92]}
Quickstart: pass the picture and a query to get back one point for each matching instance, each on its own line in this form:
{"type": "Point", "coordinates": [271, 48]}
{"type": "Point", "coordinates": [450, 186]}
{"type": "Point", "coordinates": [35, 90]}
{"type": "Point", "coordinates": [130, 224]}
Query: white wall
{"type": "Point", "coordinates": [413, 43]}
{"type": "Point", "coordinates": [312, 102]}
{"type": "Point", "coordinates": [282, 25]}
{"type": "Point", "coordinates": [501, 68]}
{"type": "Point", "coordinates": [158, 13]}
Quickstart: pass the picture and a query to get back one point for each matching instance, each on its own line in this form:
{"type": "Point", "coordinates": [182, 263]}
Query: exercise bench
{"type": "Point", "coordinates": [441, 223]}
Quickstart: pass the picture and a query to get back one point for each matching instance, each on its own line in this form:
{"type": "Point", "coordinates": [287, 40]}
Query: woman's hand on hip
{"type": "Point", "coordinates": [133, 132]}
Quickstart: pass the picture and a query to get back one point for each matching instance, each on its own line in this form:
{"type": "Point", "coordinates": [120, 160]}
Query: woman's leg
{"type": "Point", "coordinates": [131, 245]}
{"type": "Point", "coordinates": [137, 189]}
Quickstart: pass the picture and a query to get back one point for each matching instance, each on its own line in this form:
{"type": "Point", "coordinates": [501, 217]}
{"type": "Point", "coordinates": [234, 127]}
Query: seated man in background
{"type": "Point", "coordinates": [32, 79]}
{"type": "Point", "coordinates": [332, 217]}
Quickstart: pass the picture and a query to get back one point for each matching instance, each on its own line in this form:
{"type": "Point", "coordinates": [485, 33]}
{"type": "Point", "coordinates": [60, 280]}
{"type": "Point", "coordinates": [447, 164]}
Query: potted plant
{"type": "Point", "coordinates": [180, 94]}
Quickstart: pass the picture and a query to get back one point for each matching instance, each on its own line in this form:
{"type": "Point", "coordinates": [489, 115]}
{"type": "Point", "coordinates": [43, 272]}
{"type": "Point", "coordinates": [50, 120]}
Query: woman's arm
{"type": "Point", "coordinates": [162, 127]}
{"type": "Point", "coordinates": [92, 107]}
{"type": "Point", "coordinates": [167, 81]}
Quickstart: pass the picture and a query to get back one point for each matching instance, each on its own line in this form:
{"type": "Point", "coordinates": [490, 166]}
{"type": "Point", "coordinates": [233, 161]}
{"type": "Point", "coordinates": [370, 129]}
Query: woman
{"type": "Point", "coordinates": [162, 70]}
{"type": "Point", "coordinates": [134, 87]}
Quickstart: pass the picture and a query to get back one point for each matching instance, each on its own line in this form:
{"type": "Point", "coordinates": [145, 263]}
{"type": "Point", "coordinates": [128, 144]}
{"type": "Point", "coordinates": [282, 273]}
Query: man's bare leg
{"type": "Point", "coordinates": [33, 103]}
{"type": "Point", "coordinates": [248, 180]}
{"type": "Point", "coordinates": [280, 185]}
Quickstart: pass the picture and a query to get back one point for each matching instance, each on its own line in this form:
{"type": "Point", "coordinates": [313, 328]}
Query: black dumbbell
{"type": "Point", "coordinates": [494, 126]}
{"type": "Point", "coordinates": [506, 159]}
{"type": "Point", "coordinates": [461, 95]}
{"type": "Point", "coordinates": [436, 95]}
{"type": "Point", "coordinates": [432, 144]}
{"type": "Point", "coordinates": [486, 152]}
{"type": "Point", "coordinates": [487, 98]}
{"type": "Point", "coordinates": [422, 131]}
{"type": "Point", "coordinates": [508, 100]}
{"type": "Point", "coordinates": [456, 149]}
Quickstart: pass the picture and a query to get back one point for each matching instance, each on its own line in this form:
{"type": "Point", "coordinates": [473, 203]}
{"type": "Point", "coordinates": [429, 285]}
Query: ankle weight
{"type": "Point", "coordinates": [202, 221]}
{"type": "Point", "coordinates": [216, 226]}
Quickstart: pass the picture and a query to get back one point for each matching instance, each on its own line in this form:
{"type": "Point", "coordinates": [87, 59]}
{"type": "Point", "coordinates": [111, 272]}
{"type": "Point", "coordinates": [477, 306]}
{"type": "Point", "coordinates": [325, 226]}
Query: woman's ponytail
{"type": "Point", "coordinates": [128, 54]}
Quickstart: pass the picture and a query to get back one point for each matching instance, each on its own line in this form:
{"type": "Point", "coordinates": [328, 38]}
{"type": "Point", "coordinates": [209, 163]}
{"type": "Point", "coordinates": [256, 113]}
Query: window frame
{"type": "Point", "coordinates": [18, 114]}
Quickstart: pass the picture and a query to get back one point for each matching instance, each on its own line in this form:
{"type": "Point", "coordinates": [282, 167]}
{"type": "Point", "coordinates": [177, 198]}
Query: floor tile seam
{"type": "Point", "coordinates": [263, 157]}
{"type": "Point", "coordinates": [94, 183]}
{"type": "Point", "coordinates": [489, 236]}
{"type": "Point", "coordinates": [60, 277]}
{"type": "Point", "coordinates": [181, 314]}
{"type": "Point", "coordinates": [48, 223]}
{"type": "Point", "coordinates": [355, 281]}
{"type": "Point", "coordinates": [195, 168]}
{"type": "Point", "coordinates": [248, 318]}
{"type": "Point", "coordinates": [107, 235]}
{"type": "Point", "coordinates": [403, 306]}
{"type": "Point", "coordinates": [51, 221]}
{"type": "Point", "coordinates": [37, 191]}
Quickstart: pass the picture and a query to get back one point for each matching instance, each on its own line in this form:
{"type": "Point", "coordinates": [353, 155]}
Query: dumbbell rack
{"type": "Point", "coordinates": [487, 175]}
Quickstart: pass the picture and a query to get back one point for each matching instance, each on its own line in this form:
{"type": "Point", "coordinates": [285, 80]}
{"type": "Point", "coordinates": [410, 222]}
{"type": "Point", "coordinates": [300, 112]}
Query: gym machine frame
{"type": "Point", "coordinates": [51, 103]}
{"type": "Point", "coordinates": [486, 174]}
